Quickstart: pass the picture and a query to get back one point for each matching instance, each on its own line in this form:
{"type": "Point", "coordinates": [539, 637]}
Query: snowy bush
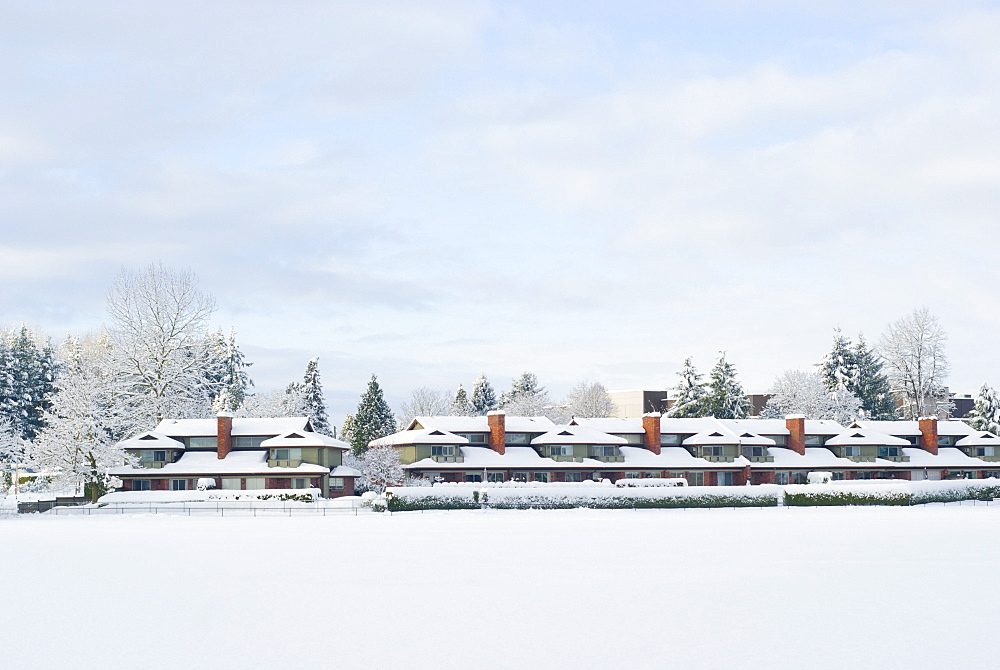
{"type": "Point", "coordinates": [572, 495]}
{"type": "Point", "coordinates": [891, 492]}
{"type": "Point", "coordinates": [651, 481]}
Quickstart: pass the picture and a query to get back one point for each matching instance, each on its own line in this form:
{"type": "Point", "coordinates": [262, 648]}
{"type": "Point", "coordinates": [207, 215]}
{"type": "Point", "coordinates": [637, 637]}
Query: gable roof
{"type": "Point", "coordinates": [151, 440]}
{"type": "Point", "coordinates": [480, 424]}
{"type": "Point", "coordinates": [577, 435]}
{"type": "Point", "coordinates": [865, 437]}
{"type": "Point", "coordinates": [303, 438]}
{"type": "Point", "coordinates": [418, 436]}
{"type": "Point", "coordinates": [242, 427]}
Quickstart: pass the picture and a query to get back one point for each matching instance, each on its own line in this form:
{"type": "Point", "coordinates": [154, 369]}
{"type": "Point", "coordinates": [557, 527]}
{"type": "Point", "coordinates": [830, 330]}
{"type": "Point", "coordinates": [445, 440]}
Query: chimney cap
{"type": "Point", "coordinates": [496, 412]}
{"type": "Point", "coordinates": [795, 416]}
{"type": "Point", "coordinates": [225, 414]}
{"type": "Point", "coordinates": [655, 415]}
{"type": "Point", "coordinates": [927, 418]}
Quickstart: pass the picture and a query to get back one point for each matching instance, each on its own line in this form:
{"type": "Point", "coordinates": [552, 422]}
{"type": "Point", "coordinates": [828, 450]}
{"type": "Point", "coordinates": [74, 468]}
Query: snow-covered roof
{"type": "Point", "coordinates": [344, 471]}
{"type": "Point", "coordinates": [303, 438]}
{"type": "Point", "coordinates": [912, 428]}
{"type": "Point", "coordinates": [577, 435]}
{"type": "Point", "coordinates": [712, 437]}
{"type": "Point", "coordinates": [671, 458]}
{"type": "Point", "coordinates": [979, 439]}
{"type": "Point", "coordinates": [419, 436]}
{"type": "Point", "coordinates": [151, 440]}
{"type": "Point", "coordinates": [241, 426]}
{"type": "Point", "coordinates": [779, 427]}
{"type": "Point", "coordinates": [865, 437]}
{"type": "Point", "coordinates": [208, 463]}
{"type": "Point", "coordinates": [947, 457]}
{"type": "Point", "coordinates": [479, 424]}
{"type": "Point", "coordinates": [612, 425]}
{"type": "Point", "coordinates": [815, 457]}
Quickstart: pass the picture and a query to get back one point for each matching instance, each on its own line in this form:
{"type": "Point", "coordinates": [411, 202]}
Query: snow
{"type": "Point", "coordinates": [912, 428]}
{"type": "Point", "coordinates": [420, 436]}
{"type": "Point", "coordinates": [815, 457]}
{"type": "Point", "coordinates": [577, 435]}
{"type": "Point", "coordinates": [670, 458]}
{"type": "Point", "coordinates": [151, 440]}
{"type": "Point", "coordinates": [154, 497]}
{"type": "Point", "coordinates": [303, 438]}
{"type": "Point", "coordinates": [581, 589]}
{"type": "Point", "coordinates": [344, 471]}
{"type": "Point", "coordinates": [947, 457]}
{"type": "Point", "coordinates": [241, 427]}
{"type": "Point", "coordinates": [866, 436]}
{"type": "Point", "coordinates": [208, 462]}
{"type": "Point", "coordinates": [479, 424]}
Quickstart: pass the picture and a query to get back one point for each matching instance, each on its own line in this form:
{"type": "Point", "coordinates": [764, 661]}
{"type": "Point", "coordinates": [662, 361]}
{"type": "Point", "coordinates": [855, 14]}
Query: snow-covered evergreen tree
{"type": "Point", "coordinates": [871, 384]}
{"type": "Point", "coordinates": [839, 369]}
{"type": "Point", "coordinates": [591, 400]}
{"type": "Point", "coordinates": [373, 418]}
{"type": "Point", "coordinates": [461, 405]}
{"type": "Point", "coordinates": [726, 398]}
{"type": "Point", "coordinates": [527, 398]}
{"type": "Point", "coordinates": [347, 431]}
{"type": "Point", "coordinates": [12, 453]}
{"type": "Point", "coordinates": [312, 393]}
{"type": "Point", "coordinates": [484, 398]}
{"type": "Point", "coordinates": [692, 392]}
{"type": "Point", "coordinates": [381, 468]}
{"type": "Point", "coordinates": [985, 415]}
{"type": "Point", "coordinates": [27, 380]}
{"type": "Point", "coordinates": [225, 371]}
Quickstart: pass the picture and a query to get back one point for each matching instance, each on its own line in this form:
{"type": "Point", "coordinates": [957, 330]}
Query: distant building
{"type": "Point", "coordinates": [632, 404]}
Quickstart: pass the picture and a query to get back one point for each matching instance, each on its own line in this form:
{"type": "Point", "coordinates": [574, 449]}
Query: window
{"type": "Point", "coordinates": [231, 483]}
{"type": "Point", "coordinates": [255, 483]}
{"type": "Point", "coordinates": [888, 452]}
{"type": "Point", "coordinates": [140, 484]}
{"type": "Point", "coordinates": [337, 483]}
{"type": "Point", "coordinates": [159, 456]}
{"type": "Point", "coordinates": [632, 475]}
{"type": "Point", "coordinates": [146, 456]}
{"type": "Point", "coordinates": [202, 443]}
{"type": "Point", "coordinates": [781, 478]}
{"type": "Point", "coordinates": [289, 454]}
{"type": "Point", "coordinates": [494, 476]}
{"type": "Point", "coordinates": [473, 476]}
{"type": "Point", "coordinates": [442, 450]}
{"type": "Point", "coordinates": [574, 476]}
{"type": "Point", "coordinates": [601, 451]}
{"type": "Point", "coordinates": [248, 441]}
{"type": "Point", "coordinates": [300, 483]}
{"type": "Point", "coordinates": [753, 452]}
{"type": "Point", "coordinates": [560, 450]}
{"type": "Point", "coordinates": [520, 476]}
{"type": "Point", "coordinates": [670, 439]}
{"type": "Point", "coordinates": [852, 452]}
{"type": "Point", "coordinates": [946, 440]}
{"type": "Point", "coordinates": [798, 477]}
{"type": "Point", "coordinates": [178, 484]}
{"type": "Point", "coordinates": [712, 451]}
{"type": "Point", "coordinates": [541, 477]}
{"type": "Point", "coordinates": [984, 451]}
{"type": "Point", "coordinates": [724, 479]}
{"type": "Point", "coordinates": [696, 478]}
{"type": "Point", "coordinates": [517, 438]}
{"type": "Point", "coordinates": [476, 438]}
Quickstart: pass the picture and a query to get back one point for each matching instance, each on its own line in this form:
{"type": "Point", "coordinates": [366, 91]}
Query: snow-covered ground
{"type": "Point", "coordinates": [855, 587]}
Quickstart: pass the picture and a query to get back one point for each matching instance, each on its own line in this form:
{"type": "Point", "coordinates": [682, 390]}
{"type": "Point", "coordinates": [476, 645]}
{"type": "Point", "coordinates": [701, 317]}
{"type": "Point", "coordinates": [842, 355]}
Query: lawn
{"type": "Point", "coordinates": [910, 587]}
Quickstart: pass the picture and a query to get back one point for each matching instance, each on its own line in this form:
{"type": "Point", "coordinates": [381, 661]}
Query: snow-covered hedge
{"type": "Point", "coordinates": [566, 495]}
{"type": "Point", "coordinates": [651, 481]}
{"type": "Point", "coordinates": [891, 492]}
{"type": "Point", "coordinates": [213, 495]}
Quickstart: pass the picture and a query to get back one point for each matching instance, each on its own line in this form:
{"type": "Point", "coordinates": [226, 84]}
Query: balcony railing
{"type": "Point", "coordinates": [720, 459]}
{"type": "Point", "coordinates": [284, 463]}
{"type": "Point", "coordinates": [448, 459]}
{"type": "Point", "coordinates": [567, 459]}
{"type": "Point", "coordinates": [902, 458]}
{"type": "Point", "coordinates": [152, 464]}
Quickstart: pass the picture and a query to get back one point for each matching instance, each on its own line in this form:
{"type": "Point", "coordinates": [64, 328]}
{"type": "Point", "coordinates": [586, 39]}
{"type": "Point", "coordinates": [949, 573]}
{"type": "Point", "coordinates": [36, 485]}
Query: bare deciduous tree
{"type": "Point", "coordinates": [914, 350]}
{"type": "Point", "coordinates": [424, 401]}
{"type": "Point", "coordinates": [591, 400]}
{"type": "Point", "coordinates": [158, 317]}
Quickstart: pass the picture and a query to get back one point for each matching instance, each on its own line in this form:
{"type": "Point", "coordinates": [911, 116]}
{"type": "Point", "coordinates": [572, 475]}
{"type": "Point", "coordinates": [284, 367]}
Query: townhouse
{"type": "Point", "coordinates": [237, 453]}
{"type": "Point", "coordinates": [705, 451]}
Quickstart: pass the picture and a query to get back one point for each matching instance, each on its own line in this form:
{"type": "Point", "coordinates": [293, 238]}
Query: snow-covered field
{"type": "Point", "coordinates": [907, 587]}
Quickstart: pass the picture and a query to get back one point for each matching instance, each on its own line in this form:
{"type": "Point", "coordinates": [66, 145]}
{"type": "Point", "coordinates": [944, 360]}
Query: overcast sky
{"type": "Point", "coordinates": [430, 190]}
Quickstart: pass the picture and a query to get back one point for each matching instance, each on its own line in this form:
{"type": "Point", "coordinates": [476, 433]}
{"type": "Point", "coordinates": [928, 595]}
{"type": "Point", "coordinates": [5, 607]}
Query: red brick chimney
{"type": "Point", "coordinates": [498, 430]}
{"type": "Point", "coordinates": [224, 434]}
{"type": "Point", "coordinates": [796, 425]}
{"type": "Point", "coordinates": [928, 434]}
{"type": "Point", "coordinates": [651, 431]}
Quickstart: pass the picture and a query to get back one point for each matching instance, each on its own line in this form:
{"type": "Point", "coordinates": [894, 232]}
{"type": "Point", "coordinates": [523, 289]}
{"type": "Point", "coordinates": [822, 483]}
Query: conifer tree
{"type": "Point", "coordinates": [839, 367]}
{"type": "Point", "coordinates": [871, 384]}
{"type": "Point", "coordinates": [27, 381]}
{"type": "Point", "coordinates": [226, 379]}
{"type": "Point", "coordinates": [484, 398]}
{"type": "Point", "coordinates": [312, 393]}
{"type": "Point", "coordinates": [986, 413]}
{"type": "Point", "coordinates": [461, 405]}
{"type": "Point", "coordinates": [373, 418]}
{"type": "Point", "coordinates": [691, 393]}
{"type": "Point", "coordinates": [726, 399]}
